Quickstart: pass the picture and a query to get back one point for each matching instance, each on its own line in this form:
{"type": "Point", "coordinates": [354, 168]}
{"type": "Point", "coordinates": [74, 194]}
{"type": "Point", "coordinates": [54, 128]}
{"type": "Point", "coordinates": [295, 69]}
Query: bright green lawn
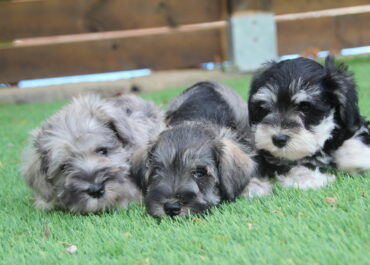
{"type": "Point", "coordinates": [291, 227]}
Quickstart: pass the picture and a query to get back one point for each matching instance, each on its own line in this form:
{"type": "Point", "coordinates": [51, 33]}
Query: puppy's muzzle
{"type": "Point", "coordinates": [280, 140]}
{"type": "Point", "coordinates": [172, 208]}
{"type": "Point", "coordinates": [96, 190]}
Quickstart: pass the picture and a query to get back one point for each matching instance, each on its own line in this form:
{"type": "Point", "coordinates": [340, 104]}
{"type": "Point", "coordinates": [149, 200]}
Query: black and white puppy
{"type": "Point", "coordinates": [199, 160]}
{"type": "Point", "coordinates": [305, 117]}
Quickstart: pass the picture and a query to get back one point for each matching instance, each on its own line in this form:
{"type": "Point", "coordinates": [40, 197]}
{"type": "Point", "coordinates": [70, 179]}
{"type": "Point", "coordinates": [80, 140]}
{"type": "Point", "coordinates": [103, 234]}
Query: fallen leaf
{"type": "Point", "coordinates": [250, 226]}
{"type": "Point", "coordinates": [64, 243]}
{"type": "Point", "coordinates": [143, 262]}
{"type": "Point", "coordinates": [331, 200]}
{"type": "Point", "coordinates": [21, 122]}
{"type": "Point", "coordinates": [363, 194]}
{"type": "Point", "coordinates": [222, 237]}
{"type": "Point", "coordinates": [311, 52]}
{"type": "Point", "coordinates": [127, 234]}
{"type": "Point", "coordinates": [198, 220]}
{"type": "Point", "coordinates": [72, 249]}
{"type": "Point", "coordinates": [276, 211]}
{"type": "Point", "coordinates": [282, 241]}
{"type": "Point", "coordinates": [46, 231]}
{"type": "Point", "coordinates": [303, 214]}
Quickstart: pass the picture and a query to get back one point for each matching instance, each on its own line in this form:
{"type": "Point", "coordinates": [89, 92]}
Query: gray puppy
{"type": "Point", "coordinates": [200, 160]}
{"type": "Point", "coordinates": [79, 159]}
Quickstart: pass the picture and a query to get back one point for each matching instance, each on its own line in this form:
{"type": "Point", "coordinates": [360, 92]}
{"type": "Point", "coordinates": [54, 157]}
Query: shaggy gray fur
{"type": "Point", "coordinates": [200, 160]}
{"type": "Point", "coordinates": [79, 159]}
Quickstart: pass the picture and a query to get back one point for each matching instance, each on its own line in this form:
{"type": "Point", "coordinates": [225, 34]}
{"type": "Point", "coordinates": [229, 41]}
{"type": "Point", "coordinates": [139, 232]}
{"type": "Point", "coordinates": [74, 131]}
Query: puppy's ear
{"type": "Point", "coordinates": [261, 76]}
{"type": "Point", "coordinates": [141, 166]}
{"type": "Point", "coordinates": [235, 167]}
{"type": "Point", "coordinates": [119, 124]}
{"type": "Point", "coordinates": [132, 119]}
{"type": "Point", "coordinates": [342, 87]}
{"type": "Point", "coordinates": [122, 134]}
{"type": "Point", "coordinates": [34, 170]}
{"type": "Point", "coordinates": [110, 113]}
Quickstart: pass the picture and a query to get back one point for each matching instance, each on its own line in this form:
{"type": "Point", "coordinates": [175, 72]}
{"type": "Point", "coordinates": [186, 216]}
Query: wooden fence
{"type": "Point", "coordinates": [46, 38]}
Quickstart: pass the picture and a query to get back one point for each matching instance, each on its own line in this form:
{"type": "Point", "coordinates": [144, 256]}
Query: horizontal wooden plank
{"type": "Point", "coordinates": [159, 52]}
{"type": "Point", "coordinates": [287, 7]}
{"type": "Point", "coordinates": [60, 17]}
{"type": "Point", "coordinates": [298, 6]}
{"type": "Point", "coordinates": [353, 10]}
{"type": "Point", "coordinates": [324, 33]}
{"type": "Point", "coordinates": [106, 35]}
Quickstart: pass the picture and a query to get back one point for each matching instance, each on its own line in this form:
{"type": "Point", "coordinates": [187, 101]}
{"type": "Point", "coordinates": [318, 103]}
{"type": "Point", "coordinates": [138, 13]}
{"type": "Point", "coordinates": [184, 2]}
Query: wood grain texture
{"type": "Point", "coordinates": [158, 52]}
{"type": "Point", "coordinates": [286, 7]}
{"type": "Point", "coordinates": [324, 33]}
{"type": "Point", "coordinates": [248, 5]}
{"type": "Point", "coordinates": [298, 6]}
{"type": "Point", "coordinates": [59, 17]}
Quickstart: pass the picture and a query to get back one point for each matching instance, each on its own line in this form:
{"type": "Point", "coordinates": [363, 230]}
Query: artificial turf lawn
{"type": "Point", "coordinates": [290, 227]}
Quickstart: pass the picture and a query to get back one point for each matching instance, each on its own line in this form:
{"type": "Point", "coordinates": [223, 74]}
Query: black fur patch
{"type": "Point", "coordinates": [335, 91]}
{"type": "Point", "coordinates": [112, 126]}
{"type": "Point", "coordinates": [206, 104]}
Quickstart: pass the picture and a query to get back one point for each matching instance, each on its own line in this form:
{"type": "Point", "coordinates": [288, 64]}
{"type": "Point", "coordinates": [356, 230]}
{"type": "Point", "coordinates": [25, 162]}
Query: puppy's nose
{"type": "Point", "coordinates": [280, 140]}
{"type": "Point", "coordinates": [96, 190]}
{"type": "Point", "coordinates": [172, 209]}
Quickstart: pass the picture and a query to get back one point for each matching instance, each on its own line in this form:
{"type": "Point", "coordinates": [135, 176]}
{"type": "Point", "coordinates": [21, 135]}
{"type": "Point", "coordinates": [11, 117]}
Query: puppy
{"type": "Point", "coordinates": [79, 159]}
{"type": "Point", "coordinates": [200, 160]}
{"type": "Point", "coordinates": [304, 117]}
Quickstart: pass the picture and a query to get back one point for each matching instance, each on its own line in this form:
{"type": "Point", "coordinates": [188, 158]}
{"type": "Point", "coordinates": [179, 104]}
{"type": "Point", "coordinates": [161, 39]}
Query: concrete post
{"type": "Point", "coordinates": [252, 34]}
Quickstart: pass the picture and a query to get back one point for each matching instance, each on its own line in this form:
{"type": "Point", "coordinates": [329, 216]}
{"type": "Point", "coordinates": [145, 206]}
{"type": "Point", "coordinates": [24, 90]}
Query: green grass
{"type": "Point", "coordinates": [290, 227]}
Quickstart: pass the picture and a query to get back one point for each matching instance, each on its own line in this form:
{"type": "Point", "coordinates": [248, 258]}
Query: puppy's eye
{"type": "Point", "coordinates": [304, 106]}
{"type": "Point", "coordinates": [102, 151]}
{"type": "Point", "coordinates": [199, 173]}
{"type": "Point", "coordinates": [63, 167]}
{"type": "Point", "coordinates": [262, 108]}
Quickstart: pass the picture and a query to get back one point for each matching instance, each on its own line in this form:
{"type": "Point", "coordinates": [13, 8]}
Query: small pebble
{"type": "Point", "coordinates": [72, 249]}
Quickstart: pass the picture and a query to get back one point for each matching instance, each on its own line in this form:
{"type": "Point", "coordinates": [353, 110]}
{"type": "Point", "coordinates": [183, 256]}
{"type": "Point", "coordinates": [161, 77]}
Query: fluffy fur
{"type": "Point", "coordinates": [200, 160]}
{"type": "Point", "coordinates": [304, 117]}
{"type": "Point", "coordinates": [79, 159]}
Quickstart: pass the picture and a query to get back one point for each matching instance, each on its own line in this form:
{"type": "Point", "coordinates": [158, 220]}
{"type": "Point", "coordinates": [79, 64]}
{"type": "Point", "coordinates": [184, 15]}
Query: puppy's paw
{"type": "Point", "coordinates": [305, 178]}
{"type": "Point", "coordinates": [257, 188]}
{"type": "Point", "coordinates": [42, 204]}
{"type": "Point", "coordinates": [353, 157]}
